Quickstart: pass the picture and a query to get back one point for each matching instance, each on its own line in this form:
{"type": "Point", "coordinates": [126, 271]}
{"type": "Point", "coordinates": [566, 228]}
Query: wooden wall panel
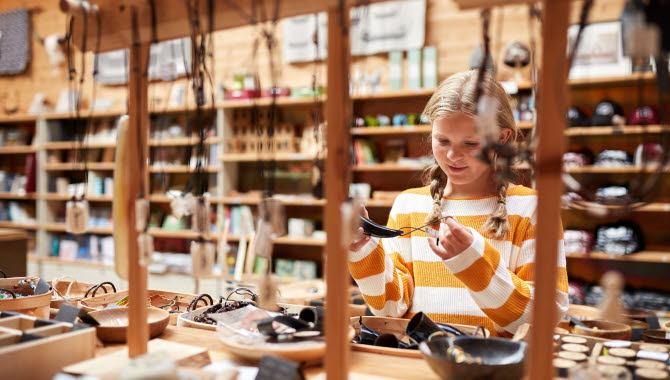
{"type": "Point", "coordinates": [454, 32]}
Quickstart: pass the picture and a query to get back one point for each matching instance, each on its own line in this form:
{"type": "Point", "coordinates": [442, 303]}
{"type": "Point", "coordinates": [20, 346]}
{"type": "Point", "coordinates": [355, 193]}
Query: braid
{"type": "Point", "coordinates": [497, 223]}
{"type": "Point", "coordinates": [438, 181]}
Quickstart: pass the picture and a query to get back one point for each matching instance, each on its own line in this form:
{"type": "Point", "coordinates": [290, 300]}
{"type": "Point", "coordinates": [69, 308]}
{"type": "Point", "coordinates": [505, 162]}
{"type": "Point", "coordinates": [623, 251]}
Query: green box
{"type": "Point", "coordinates": [414, 69]}
{"type": "Point", "coordinates": [429, 67]}
{"type": "Point", "coordinates": [395, 70]}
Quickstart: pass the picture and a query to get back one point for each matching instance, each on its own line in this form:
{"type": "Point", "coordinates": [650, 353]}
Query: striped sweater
{"type": "Point", "coordinates": [488, 284]}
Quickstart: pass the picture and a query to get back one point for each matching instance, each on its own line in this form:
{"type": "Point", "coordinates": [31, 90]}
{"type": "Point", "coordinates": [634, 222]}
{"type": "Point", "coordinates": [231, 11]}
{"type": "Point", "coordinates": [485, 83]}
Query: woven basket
{"type": "Point", "coordinates": [37, 306]}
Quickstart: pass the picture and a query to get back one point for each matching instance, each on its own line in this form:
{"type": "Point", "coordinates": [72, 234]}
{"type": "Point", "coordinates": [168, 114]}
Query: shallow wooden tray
{"type": "Point", "coordinates": [397, 327]}
{"type": "Point", "coordinates": [37, 306]}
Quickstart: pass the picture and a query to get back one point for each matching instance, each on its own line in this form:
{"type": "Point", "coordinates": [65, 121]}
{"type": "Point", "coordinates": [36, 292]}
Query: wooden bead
{"type": "Point", "coordinates": [573, 339]}
{"type": "Point", "coordinates": [611, 360]}
{"type": "Point", "coordinates": [574, 356]}
{"type": "Point", "coordinates": [563, 366]}
{"type": "Point", "coordinates": [576, 348]}
{"type": "Point", "coordinates": [645, 363]}
{"type": "Point", "coordinates": [625, 353]}
{"type": "Point", "coordinates": [650, 374]}
{"type": "Point", "coordinates": [653, 347]}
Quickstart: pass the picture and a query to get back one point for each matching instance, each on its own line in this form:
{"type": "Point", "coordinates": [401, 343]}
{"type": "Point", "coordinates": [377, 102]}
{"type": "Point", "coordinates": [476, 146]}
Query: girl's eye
{"type": "Point", "coordinates": [472, 144]}
{"type": "Point", "coordinates": [443, 142]}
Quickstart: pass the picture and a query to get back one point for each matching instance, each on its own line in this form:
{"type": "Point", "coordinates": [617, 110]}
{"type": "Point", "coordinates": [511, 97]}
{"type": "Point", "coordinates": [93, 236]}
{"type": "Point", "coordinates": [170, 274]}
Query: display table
{"type": "Point", "coordinates": [362, 365]}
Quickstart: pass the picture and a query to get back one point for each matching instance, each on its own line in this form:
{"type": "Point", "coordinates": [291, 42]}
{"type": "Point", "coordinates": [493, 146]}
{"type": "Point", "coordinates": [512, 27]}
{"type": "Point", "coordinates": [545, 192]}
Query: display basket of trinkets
{"type": "Point", "coordinates": [174, 303]}
{"type": "Point", "coordinates": [26, 295]}
{"type": "Point", "coordinates": [69, 290]}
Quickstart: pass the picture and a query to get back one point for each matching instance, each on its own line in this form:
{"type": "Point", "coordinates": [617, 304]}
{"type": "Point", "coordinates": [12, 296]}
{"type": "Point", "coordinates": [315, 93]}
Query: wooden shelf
{"type": "Point", "coordinates": [24, 226]}
{"type": "Point", "coordinates": [592, 169]}
{"type": "Point", "coordinates": [287, 240]}
{"type": "Point", "coordinates": [525, 125]}
{"type": "Point", "coordinates": [631, 79]}
{"type": "Point", "coordinates": [181, 234]}
{"type": "Point", "coordinates": [17, 118]}
{"type": "Point", "coordinates": [264, 102]}
{"type": "Point", "coordinates": [424, 92]}
{"type": "Point", "coordinates": [643, 256]}
{"type": "Point", "coordinates": [181, 141]}
{"type": "Point", "coordinates": [26, 196]}
{"type": "Point", "coordinates": [85, 114]}
{"type": "Point", "coordinates": [615, 130]}
{"type": "Point", "coordinates": [60, 227]}
{"type": "Point", "coordinates": [391, 167]}
{"type": "Point", "coordinates": [17, 149]}
{"type": "Point", "coordinates": [179, 169]}
{"type": "Point", "coordinates": [65, 145]}
{"type": "Point", "coordinates": [650, 207]}
{"type": "Point", "coordinates": [253, 157]}
{"type": "Point", "coordinates": [59, 260]}
{"type": "Point", "coordinates": [62, 197]}
{"type": "Point", "coordinates": [65, 166]}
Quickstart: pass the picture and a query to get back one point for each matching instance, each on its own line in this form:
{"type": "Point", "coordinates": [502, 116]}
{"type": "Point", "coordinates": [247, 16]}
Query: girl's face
{"type": "Point", "coordinates": [456, 144]}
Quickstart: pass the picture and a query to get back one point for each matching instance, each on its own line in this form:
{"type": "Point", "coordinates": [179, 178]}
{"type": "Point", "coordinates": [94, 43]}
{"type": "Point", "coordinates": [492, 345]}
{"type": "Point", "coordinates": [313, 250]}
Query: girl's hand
{"type": "Point", "coordinates": [361, 239]}
{"type": "Point", "coordinates": [453, 239]}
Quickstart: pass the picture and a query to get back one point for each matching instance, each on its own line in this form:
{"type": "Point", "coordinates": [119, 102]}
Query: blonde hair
{"type": "Point", "coordinates": [457, 94]}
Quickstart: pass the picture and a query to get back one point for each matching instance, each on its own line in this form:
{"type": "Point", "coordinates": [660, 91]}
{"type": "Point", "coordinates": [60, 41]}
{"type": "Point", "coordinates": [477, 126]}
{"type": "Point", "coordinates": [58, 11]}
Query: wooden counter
{"type": "Point", "coordinates": [363, 365]}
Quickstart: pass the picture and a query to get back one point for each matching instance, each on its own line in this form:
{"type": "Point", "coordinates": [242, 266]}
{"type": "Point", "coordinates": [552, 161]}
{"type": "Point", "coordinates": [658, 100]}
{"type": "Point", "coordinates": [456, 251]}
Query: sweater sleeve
{"type": "Point", "coordinates": [383, 276]}
{"type": "Point", "coordinates": [505, 295]}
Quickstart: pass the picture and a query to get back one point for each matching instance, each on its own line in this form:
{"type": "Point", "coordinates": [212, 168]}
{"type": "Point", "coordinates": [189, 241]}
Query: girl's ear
{"type": "Point", "coordinates": [504, 135]}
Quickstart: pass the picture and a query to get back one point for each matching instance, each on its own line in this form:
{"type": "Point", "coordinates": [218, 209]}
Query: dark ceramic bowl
{"type": "Point", "coordinates": [656, 336]}
{"type": "Point", "coordinates": [502, 359]}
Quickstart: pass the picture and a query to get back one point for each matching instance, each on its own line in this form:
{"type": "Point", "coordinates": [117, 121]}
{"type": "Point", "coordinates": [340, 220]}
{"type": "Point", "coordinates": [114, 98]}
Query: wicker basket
{"type": "Point", "coordinates": [37, 306]}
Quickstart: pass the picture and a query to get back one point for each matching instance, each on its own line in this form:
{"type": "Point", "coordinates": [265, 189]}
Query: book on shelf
{"type": "Point", "coordinates": [365, 152]}
{"type": "Point", "coordinates": [295, 269]}
{"type": "Point", "coordinates": [17, 212]}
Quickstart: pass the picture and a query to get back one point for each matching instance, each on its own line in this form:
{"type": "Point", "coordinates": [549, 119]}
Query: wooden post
{"type": "Point", "coordinates": [338, 116]}
{"type": "Point", "coordinates": [552, 105]}
{"type": "Point", "coordinates": [138, 113]}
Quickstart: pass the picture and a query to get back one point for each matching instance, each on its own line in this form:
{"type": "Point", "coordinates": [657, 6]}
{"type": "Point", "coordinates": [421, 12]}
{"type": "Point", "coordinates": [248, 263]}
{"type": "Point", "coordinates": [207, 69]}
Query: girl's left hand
{"type": "Point", "coordinates": [453, 239]}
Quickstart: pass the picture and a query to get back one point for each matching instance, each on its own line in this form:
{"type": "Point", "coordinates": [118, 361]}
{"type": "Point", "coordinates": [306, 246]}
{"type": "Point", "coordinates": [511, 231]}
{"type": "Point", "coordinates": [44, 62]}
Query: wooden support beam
{"type": "Point", "coordinates": [338, 116]}
{"type": "Point", "coordinates": [552, 105]}
{"type": "Point", "coordinates": [138, 329]}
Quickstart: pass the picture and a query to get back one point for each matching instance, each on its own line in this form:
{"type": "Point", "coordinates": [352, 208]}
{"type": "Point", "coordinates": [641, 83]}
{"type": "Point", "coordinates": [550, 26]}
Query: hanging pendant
{"type": "Point", "coordinates": [141, 214]}
{"type": "Point", "coordinates": [145, 243]}
{"type": "Point", "coordinates": [263, 242]}
{"type": "Point", "coordinates": [201, 217]}
{"type": "Point", "coordinates": [202, 257]}
{"type": "Point", "coordinates": [183, 205]}
{"type": "Point", "coordinates": [268, 292]}
{"type": "Point", "coordinates": [76, 216]}
{"type": "Point", "coordinates": [273, 212]}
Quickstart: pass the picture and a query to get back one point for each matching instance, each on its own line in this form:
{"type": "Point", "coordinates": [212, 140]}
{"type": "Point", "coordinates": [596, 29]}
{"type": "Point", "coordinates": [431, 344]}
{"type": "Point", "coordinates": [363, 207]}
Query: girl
{"type": "Point", "coordinates": [479, 271]}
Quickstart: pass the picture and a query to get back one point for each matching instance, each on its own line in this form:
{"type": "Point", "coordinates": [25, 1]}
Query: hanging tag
{"type": "Point", "coordinates": [273, 212]}
{"type": "Point", "coordinates": [202, 258]}
{"type": "Point", "coordinates": [201, 218]}
{"type": "Point", "coordinates": [141, 214]}
{"type": "Point", "coordinates": [350, 212]}
{"type": "Point", "coordinates": [263, 239]}
{"type": "Point", "coordinates": [76, 217]}
{"type": "Point", "coordinates": [145, 242]}
{"type": "Point", "coordinates": [268, 292]}
{"type": "Point", "coordinates": [183, 205]}
{"type": "Point", "coordinates": [486, 118]}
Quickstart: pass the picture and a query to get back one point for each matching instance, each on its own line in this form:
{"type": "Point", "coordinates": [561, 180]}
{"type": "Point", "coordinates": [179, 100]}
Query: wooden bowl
{"type": "Point", "coordinates": [656, 336]}
{"type": "Point", "coordinates": [114, 323]}
{"type": "Point", "coordinates": [637, 328]}
{"type": "Point", "coordinates": [584, 312]}
{"type": "Point", "coordinates": [604, 329]}
{"type": "Point", "coordinates": [638, 314]}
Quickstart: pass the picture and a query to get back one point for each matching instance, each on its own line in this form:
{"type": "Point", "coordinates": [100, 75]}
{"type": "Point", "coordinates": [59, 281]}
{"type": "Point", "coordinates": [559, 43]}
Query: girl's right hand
{"type": "Point", "coordinates": [361, 239]}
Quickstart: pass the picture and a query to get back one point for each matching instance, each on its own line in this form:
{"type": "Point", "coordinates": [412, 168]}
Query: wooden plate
{"type": "Point", "coordinates": [395, 326]}
{"type": "Point", "coordinates": [114, 323]}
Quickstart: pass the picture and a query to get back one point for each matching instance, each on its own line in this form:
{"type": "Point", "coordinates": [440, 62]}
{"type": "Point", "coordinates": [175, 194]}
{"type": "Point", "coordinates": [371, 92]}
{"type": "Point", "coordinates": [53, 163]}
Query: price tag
{"type": "Point", "coordinates": [274, 368]}
{"type": "Point", "coordinates": [510, 87]}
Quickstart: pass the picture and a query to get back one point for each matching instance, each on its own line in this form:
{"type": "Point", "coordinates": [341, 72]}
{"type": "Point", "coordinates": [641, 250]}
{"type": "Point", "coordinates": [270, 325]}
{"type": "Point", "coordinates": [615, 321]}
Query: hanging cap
{"type": "Point", "coordinates": [604, 112]}
{"type": "Point", "coordinates": [577, 117]}
{"type": "Point", "coordinates": [644, 115]}
{"type": "Point", "coordinates": [517, 54]}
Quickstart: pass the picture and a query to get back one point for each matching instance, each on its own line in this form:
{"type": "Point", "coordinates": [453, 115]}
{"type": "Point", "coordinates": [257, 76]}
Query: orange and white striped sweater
{"type": "Point", "coordinates": [488, 284]}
